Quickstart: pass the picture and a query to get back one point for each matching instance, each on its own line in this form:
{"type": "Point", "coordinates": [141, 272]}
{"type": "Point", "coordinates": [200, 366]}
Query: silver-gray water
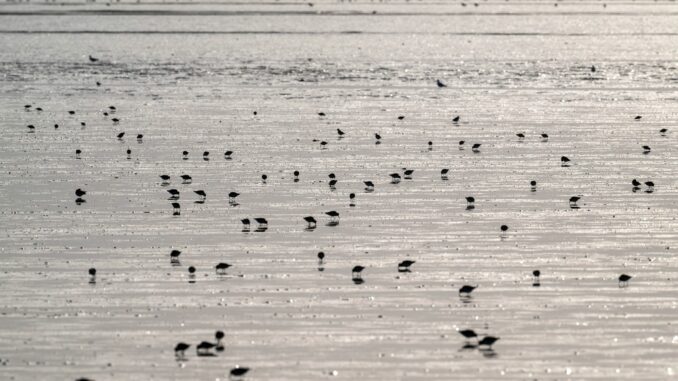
{"type": "Point", "coordinates": [189, 76]}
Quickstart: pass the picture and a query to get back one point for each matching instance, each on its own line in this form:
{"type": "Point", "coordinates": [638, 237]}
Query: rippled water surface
{"type": "Point", "coordinates": [190, 76]}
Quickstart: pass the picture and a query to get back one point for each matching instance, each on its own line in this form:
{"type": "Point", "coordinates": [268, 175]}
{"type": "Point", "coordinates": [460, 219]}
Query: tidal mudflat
{"type": "Point", "coordinates": [270, 81]}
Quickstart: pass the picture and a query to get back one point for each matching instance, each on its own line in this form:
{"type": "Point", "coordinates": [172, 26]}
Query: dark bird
{"type": "Point", "coordinates": [165, 177]}
{"type": "Point", "coordinates": [476, 147]}
{"type": "Point", "coordinates": [456, 119]}
{"type": "Point", "coordinates": [564, 161]}
{"type": "Point", "coordinates": [174, 194]}
{"type": "Point", "coordinates": [340, 132]}
{"type": "Point", "coordinates": [334, 215]}
{"type": "Point", "coordinates": [395, 178]}
{"type": "Point", "coordinates": [98, 83]}
{"type": "Point", "coordinates": [227, 155]}
{"type": "Point", "coordinates": [638, 117]}
{"type": "Point", "coordinates": [333, 183]}
{"type": "Point", "coordinates": [296, 175]}
{"type": "Point", "coordinates": [369, 185]}
{"type": "Point", "coordinates": [174, 255]}
{"type": "Point", "coordinates": [488, 341]}
{"type": "Point", "coordinates": [467, 290]}
{"type": "Point", "coordinates": [470, 201]}
{"type": "Point", "coordinates": [186, 179]}
{"type": "Point", "coordinates": [404, 266]}
{"type": "Point", "coordinates": [504, 228]}
{"type": "Point", "coordinates": [239, 372]}
{"type": "Point", "coordinates": [430, 145]}
{"type": "Point", "coordinates": [79, 192]}
{"type": "Point", "coordinates": [232, 196]}
{"type": "Point", "coordinates": [533, 185]}
{"type": "Point", "coordinates": [461, 144]}
{"type": "Point", "coordinates": [93, 59]}
{"type": "Point", "coordinates": [646, 149]}
{"type": "Point", "coordinates": [129, 152]}
{"type": "Point", "coordinates": [71, 112]}
{"type": "Point", "coordinates": [311, 221]}
{"type": "Point", "coordinates": [112, 108]}
{"type": "Point", "coordinates": [624, 280]}
{"type": "Point", "coordinates": [377, 136]}
{"type": "Point", "coordinates": [246, 223]}
{"type": "Point", "coordinates": [663, 131]}
{"type": "Point", "coordinates": [206, 155]}
{"type": "Point", "coordinates": [573, 201]}
{"type": "Point", "coordinates": [593, 69]}
{"type": "Point", "coordinates": [115, 120]}
{"type": "Point", "coordinates": [323, 144]}
{"type": "Point", "coordinates": [440, 83]}
{"type": "Point", "coordinates": [201, 193]}
{"type": "Point", "coordinates": [650, 184]}
{"type": "Point", "coordinates": [408, 172]}
{"type": "Point", "coordinates": [351, 196]}
{"type": "Point", "coordinates": [469, 333]}
{"type": "Point", "coordinates": [535, 277]}
{"type": "Point", "coordinates": [520, 136]}
{"type": "Point", "coordinates": [177, 208]}
{"type": "Point", "coordinates": [140, 136]}
{"type": "Point", "coordinates": [77, 153]}
{"type": "Point", "coordinates": [92, 272]}
{"type": "Point", "coordinates": [222, 267]}
{"type": "Point", "coordinates": [185, 155]}
{"type": "Point", "coordinates": [544, 137]}
{"type": "Point", "coordinates": [120, 135]}
{"type": "Point", "coordinates": [219, 335]}
{"type": "Point", "coordinates": [261, 221]}
{"type": "Point", "coordinates": [635, 183]}
{"type": "Point", "coordinates": [27, 107]}
{"type": "Point", "coordinates": [444, 172]}
{"type": "Point", "coordinates": [321, 114]}
{"type": "Point", "coordinates": [191, 270]}
{"type": "Point", "coordinates": [38, 109]}
{"type": "Point", "coordinates": [401, 117]}
{"type": "Point", "coordinates": [263, 178]}
{"type": "Point", "coordinates": [56, 126]}
{"type": "Point", "coordinates": [321, 256]}
{"type": "Point", "coordinates": [332, 176]}
{"type": "Point", "coordinates": [204, 348]}
{"type": "Point", "coordinates": [357, 271]}
{"type": "Point", "coordinates": [180, 348]}
{"type": "Point", "coordinates": [31, 127]}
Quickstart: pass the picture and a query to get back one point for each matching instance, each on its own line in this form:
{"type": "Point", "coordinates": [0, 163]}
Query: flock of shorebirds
{"type": "Point", "coordinates": [204, 348]}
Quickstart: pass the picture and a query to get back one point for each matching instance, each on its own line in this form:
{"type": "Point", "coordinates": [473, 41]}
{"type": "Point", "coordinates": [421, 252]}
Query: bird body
{"type": "Point", "coordinates": [201, 193]}
{"type": "Point", "coordinates": [439, 83]}
{"type": "Point", "coordinates": [222, 267]}
{"type": "Point", "coordinates": [488, 341]}
{"type": "Point", "coordinates": [357, 270]}
{"type": "Point", "coordinates": [239, 372]}
{"type": "Point", "coordinates": [261, 221]}
{"type": "Point", "coordinates": [476, 147]}
{"type": "Point", "coordinates": [468, 333]}
{"type": "Point", "coordinates": [404, 266]}
{"type": "Point", "coordinates": [79, 192]}
{"type": "Point", "coordinates": [466, 289]}
{"type": "Point", "coordinates": [180, 348]}
{"type": "Point", "coordinates": [310, 220]}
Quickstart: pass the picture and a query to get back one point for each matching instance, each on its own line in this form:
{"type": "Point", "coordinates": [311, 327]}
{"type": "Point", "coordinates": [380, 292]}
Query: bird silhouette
{"type": "Point", "coordinates": [469, 334]}
{"type": "Point", "coordinates": [180, 349]}
{"type": "Point", "coordinates": [186, 179]}
{"type": "Point", "coordinates": [395, 178]}
{"type": "Point", "coordinates": [476, 147]}
{"type": "Point", "coordinates": [369, 186]}
{"type": "Point", "coordinates": [466, 289]}
{"type": "Point", "coordinates": [456, 119]}
{"type": "Point", "coordinates": [357, 271]}
{"type": "Point", "coordinates": [174, 194]}
{"type": "Point", "coordinates": [238, 372]}
{"type": "Point", "coordinates": [488, 341]}
{"type": "Point", "coordinates": [440, 83]}
{"type": "Point", "coordinates": [624, 280]}
{"type": "Point", "coordinates": [227, 155]}
{"type": "Point", "coordinates": [404, 266]}
{"type": "Point", "coordinates": [79, 192]}
{"type": "Point", "coordinates": [221, 267]}
{"type": "Point", "coordinates": [93, 59]}
{"type": "Point", "coordinates": [311, 222]}
{"type": "Point", "coordinates": [340, 133]}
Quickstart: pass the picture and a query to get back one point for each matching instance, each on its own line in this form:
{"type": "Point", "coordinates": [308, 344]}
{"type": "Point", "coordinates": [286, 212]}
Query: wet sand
{"type": "Point", "coordinates": [509, 68]}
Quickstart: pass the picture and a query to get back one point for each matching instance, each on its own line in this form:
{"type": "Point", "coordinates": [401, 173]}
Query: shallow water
{"type": "Point", "coordinates": [510, 67]}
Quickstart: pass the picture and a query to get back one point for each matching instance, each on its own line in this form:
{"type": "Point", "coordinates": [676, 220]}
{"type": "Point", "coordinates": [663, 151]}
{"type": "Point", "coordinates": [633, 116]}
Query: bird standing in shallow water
{"type": "Point", "coordinates": [535, 278]}
{"type": "Point", "coordinates": [92, 275]}
{"type": "Point", "coordinates": [238, 372]}
{"type": "Point", "coordinates": [440, 83]}
{"type": "Point", "coordinates": [624, 280]}
{"type": "Point", "coordinates": [488, 341]}
{"type": "Point", "coordinates": [180, 349]}
{"type": "Point", "coordinates": [404, 266]}
{"type": "Point", "coordinates": [476, 147]}
{"type": "Point", "coordinates": [467, 290]}
{"type": "Point", "coordinates": [201, 193]}
{"type": "Point", "coordinates": [221, 268]}
{"type": "Point", "coordinates": [311, 222]}
{"type": "Point", "coordinates": [357, 271]}
{"type": "Point", "coordinates": [469, 334]}
{"type": "Point", "coordinates": [470, 202]}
